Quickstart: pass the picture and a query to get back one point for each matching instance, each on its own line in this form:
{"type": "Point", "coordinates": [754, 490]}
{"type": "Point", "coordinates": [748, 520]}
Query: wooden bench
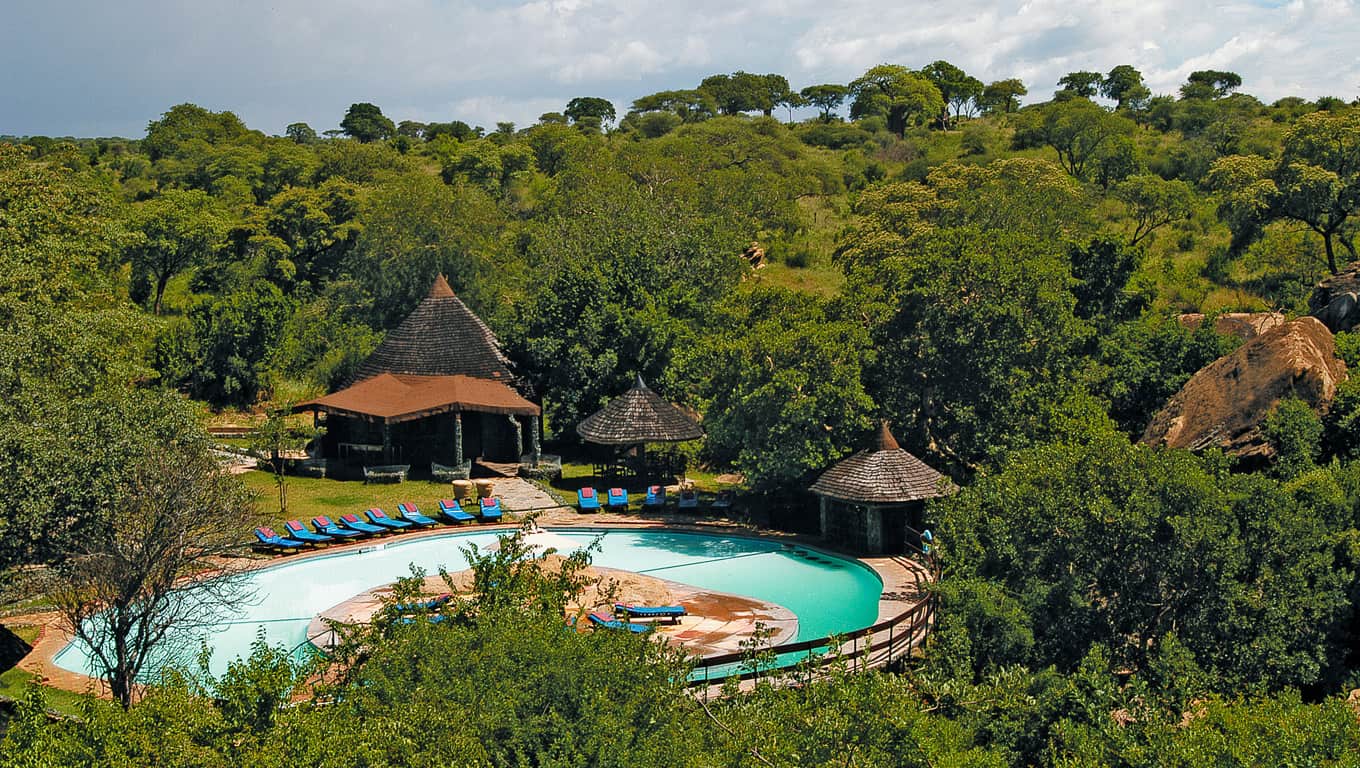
{"type": "Point", "coordinates": [395, 472]}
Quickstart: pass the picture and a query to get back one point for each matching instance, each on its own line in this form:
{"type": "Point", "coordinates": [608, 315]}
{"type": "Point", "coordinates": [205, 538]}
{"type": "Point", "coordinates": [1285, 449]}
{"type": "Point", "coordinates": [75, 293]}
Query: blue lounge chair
{"type": "Point", "coordinates": [491, 509]}
{"type": "Point", "coordinates": [411, 514]}
{"type": "Point", "coordinates": [435, 619]}
{"type": "Point", "coordinates": [618, 497]}
{"type": "Point", "coordinates": [656, 497]}
{"type": "Point", "coordinates": [672, 612]}
{"type": "Point", "coordinates": [378, 517]}
{"type": "Point", "coordinates": [689, 499]}
{"type": "Point", "coordinates": [587, 500]}
{"type": "Point", "coordinates": [352, 521]}
{"type": "Point", "coordinates": [724, 500]}
{"type": "Point", "coordinates": [422, 606]}
{"type": "Point", "coordinates": [267, 538]}
{"type": "Point", "coordinates": [323, 525]}
{"type": "Point", "coordinates": [605, 621]}
{"type": "Point", "coordinates": [453, 511]}
{"type": "Point", "coordinates": [296, 531]}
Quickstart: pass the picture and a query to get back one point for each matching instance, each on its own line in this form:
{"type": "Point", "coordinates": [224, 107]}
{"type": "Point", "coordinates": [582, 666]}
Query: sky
{"type": "Point", "coordinates": [100, 68]}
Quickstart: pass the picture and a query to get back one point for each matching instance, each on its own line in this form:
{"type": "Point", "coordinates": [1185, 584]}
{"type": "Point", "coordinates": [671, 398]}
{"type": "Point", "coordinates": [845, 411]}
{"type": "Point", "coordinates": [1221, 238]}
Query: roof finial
{"type": "Point", "coordinates": [886, 441]}
{"type": "Point", "coordinates": [639, 384]}
{"type": "Point", "coordinates": [440, 289]}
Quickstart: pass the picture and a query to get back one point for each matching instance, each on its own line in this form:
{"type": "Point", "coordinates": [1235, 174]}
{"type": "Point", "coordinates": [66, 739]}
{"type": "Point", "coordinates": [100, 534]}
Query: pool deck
{"type": "Point", "coordinates": [713, 630]}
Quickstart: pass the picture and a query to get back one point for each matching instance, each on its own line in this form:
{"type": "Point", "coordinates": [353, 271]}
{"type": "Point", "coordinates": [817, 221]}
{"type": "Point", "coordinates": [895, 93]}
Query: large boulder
{"type": "Point", "coordinates": [1244, 325]}
{"type": "Point", "coordinates": [1336, 300]}
{"type": "Point", "coordinates": [1225, 403]}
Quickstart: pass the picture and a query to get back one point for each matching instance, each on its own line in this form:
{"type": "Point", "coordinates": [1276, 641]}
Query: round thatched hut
{"type": "Point", "coordinates": [636, 418]}
{"type": "Point", "coordinates": [873, 501]}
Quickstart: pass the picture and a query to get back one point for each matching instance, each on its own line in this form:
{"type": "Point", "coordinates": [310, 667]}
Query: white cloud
{"type": "Point", "coordinates": [89, 67]}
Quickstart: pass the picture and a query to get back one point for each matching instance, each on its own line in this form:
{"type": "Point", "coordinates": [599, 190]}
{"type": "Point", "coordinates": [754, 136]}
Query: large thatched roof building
{"type": "Point", "coordinates": [872, 501]}
{"type": "Point", "coordinates": [437, 390]}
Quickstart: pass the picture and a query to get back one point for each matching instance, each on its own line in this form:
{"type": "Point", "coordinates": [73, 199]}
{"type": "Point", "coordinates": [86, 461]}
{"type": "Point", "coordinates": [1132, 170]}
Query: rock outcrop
{"type": "Point", "coordinates": [1336, 300]}
{"type": "Point", "coordinates": [1226, 402]}
{"type": "Point", "coordinates": [1244, 325]}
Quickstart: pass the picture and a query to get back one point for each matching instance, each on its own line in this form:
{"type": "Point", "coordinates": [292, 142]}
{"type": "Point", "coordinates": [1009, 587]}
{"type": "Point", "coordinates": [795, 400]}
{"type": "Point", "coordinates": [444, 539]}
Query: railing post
{"type": "Point", "coordinates": [890, 643]}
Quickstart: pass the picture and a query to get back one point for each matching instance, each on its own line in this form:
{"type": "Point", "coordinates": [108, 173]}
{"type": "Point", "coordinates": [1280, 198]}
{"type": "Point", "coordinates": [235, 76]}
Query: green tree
{"type": "Point", "coordinates": [1124, 85]}
{"type": "Point", "coordinates": [1079, 131]}
{"type": "Point", "coordinates": [781, 387]}
{"type": "Point", "coordinates": [1002, 96]}
{"type": "Point", "coordinates": [897, 94]}
{"type": "Point", "coordinates": [175, 231]}
{"type": "Point", "coordinates": [1210, 84]}
{"type": "Point", "coordinates": [590, 106]}
{"type": "Point", "coordinates": [690, 106]}
{"type": "Point", "coordinates": [827, 98]}
{"type": "Point", "coordinates": [300, 133]}
{"type": "Point", "coordinates": [960, 91]}
{"type": "Point", "coordinates": [277, 436]}
{"type": "Point", "coordinates": [1153, 203]}
{"type": "Point", "coordinates": [1315, 182]}
{"type": "Point", "coordinates": [1081, 84]}
{"type": "Point", "coordinates": [366, 122]}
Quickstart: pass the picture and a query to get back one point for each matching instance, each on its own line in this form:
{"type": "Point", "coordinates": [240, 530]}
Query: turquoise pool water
{"type": "Point", "coordinates": [828, 594]}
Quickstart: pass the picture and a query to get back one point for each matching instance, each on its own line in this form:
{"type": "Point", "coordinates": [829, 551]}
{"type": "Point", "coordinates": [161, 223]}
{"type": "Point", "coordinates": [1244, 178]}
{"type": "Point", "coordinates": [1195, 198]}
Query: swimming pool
{"type": "Point", "coordinates": [829, 594]}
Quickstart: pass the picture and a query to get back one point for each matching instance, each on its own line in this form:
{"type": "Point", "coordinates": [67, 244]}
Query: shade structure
{"type": "Point", "coordinates": [882, 475]}
{"type": "Point", "coordinates": [394, 398]}
{"type": "Point", "coordinates": [638, 416]}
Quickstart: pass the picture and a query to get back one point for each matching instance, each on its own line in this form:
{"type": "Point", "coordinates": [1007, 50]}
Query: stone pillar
{"type": "Point", "coordinates": [519, 437]}
{"type": "Point", "coordinates": [458, 440]}
{"type": "Point", "coordinates": [873, 530]}
{"type": "Point", "coordinates": [825, 508]}
{"type": "Point", "coordinates": [387, 443]}
{"type": "Point", "coordinates": [534, 446]}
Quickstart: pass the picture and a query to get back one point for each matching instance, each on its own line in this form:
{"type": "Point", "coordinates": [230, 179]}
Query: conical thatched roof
{"type": "Point", "coordinates": [638, 416]}
{"type": "Point", "coordinates": [440, 338]}
{"type": "Point", "coordinates": [884, 474]}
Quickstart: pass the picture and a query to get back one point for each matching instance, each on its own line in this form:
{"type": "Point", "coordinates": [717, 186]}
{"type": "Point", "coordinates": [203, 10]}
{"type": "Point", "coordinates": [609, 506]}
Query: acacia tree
{"type": "Point", "coordinates": [1154, 202]}
{"type": "Point", "coordinates": [1124, 85]}
{"type": "Point", "coordinates": [1316, 182]}
{"type": "Point", "coordinates": [590, 106]}
{"type": "Point", "coordinates": [1082, 84]}
{"type": "Point", "coordinates": [827, 98]}
{"type": "Point", "coordinates": [366, 123]}
{"type": "Point", "coordinates": [125, 594]}
{"type": "Point", "coordinates": [960, 91]}
{"type": "Point", "coordinates": [1002, 95]}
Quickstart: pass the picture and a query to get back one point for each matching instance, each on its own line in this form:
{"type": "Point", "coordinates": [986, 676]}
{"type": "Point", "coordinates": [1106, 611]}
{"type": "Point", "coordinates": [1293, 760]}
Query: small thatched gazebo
{"type": "Point", "coordinates": [873, 501]}
{"type": "Point", "coordinates": [636, 418]}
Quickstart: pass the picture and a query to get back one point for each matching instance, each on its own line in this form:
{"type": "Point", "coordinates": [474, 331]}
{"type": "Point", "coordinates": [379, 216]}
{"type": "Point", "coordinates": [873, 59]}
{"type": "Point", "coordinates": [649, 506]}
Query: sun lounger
{"type": "Point", "coordinates": [605, 621]}
{"type": "Point", "coordinates": [453, 511]}
{"type": "Point", "coordinates": [491, 509]}
{"type": "Point", "coordinates": [267, 538]}
{"type": "Point", "coordinates": [378, 517]}
{"type": "Point", "coordinates": [411, 514]}
{"type": "Point", "coordinates": [656, 497]}
{"type": "Point", "coordinates": [724, 500]}
{"type": "Point", "coordinates": [296, 531]}
{"type": "Point", "coordinates": [323, 525]}
{"type": "Point", "coordinates": [689, 499]}
{"type": "Point", "coordinates": [421, 606]}
{"type": "Point", "coordinates": [435, 619]}
{"type": "Point", "coordinates": [587, 500]}
{"type": "Point", "coordinates": [352, 521]}
{"type": "Point", "coordinates": [618, 497]}
{"type": "Point", "coordinates": [673, 612]}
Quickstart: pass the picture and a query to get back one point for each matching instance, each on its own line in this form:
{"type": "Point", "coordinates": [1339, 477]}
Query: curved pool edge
{"type": "Point", "coordinates": [900, 578]}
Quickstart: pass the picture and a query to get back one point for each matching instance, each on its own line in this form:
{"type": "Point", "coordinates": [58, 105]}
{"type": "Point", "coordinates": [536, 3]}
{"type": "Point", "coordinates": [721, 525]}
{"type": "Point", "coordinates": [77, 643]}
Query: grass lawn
{"type": "Point", "coordinates": [15, 683]}
{"type": "Point", "coordinates": [311, 496]}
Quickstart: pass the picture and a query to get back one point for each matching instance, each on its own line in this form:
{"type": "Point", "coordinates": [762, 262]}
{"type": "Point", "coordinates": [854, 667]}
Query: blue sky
{"type": "Point", "coordinates": [99, 68]}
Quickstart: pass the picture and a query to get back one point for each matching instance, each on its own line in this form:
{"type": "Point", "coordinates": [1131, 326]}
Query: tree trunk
{"type": "Point", "coordinates": [161, 281]}
{"type": "Point", "coordinates": [1331, 255]}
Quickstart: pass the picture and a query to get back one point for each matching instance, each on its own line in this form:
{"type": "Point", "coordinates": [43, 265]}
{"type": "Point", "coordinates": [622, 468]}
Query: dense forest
{"type": "Point", "coordinates": [1005, 283]}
